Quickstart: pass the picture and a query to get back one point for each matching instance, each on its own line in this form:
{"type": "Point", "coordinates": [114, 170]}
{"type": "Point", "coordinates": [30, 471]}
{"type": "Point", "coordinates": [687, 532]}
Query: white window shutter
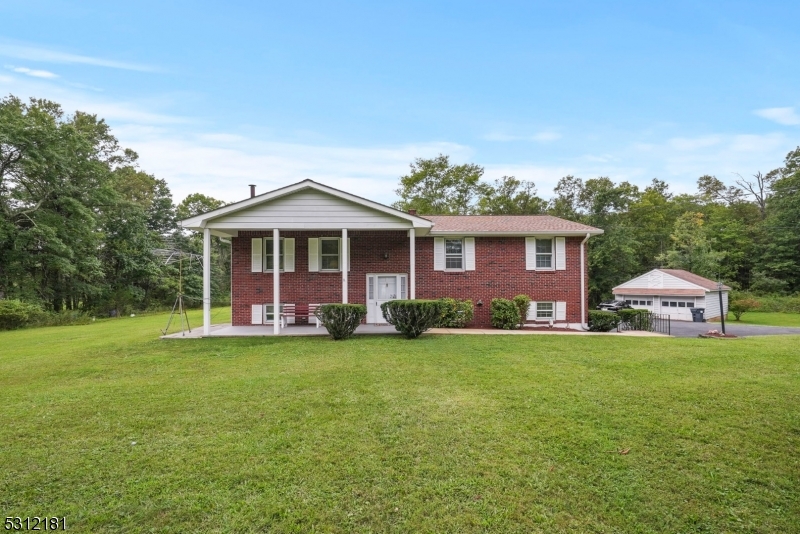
{"type": "Point", "coordinates": [257, 314]}
{"type": "Point", "coordinates": [288, 254]}
{"type": "Point", "coordinates": [438, 254]}
{"type": "Point", "coordinates": [313, 254]}
{"type": "Point", "coordinates": [531, 316]}
{"type": "Point", "coordinates": [256, 260]}
{"type": "Point", "coordinates": [561, 311]}
{"type": "Point", "coordinates": [530, 253]}
{"type": "Point", "coordinates": [561, 254]}
{"type": "Point", "coordinates": [349, 254]}
{"type": "Point", "coordinates": [469, 253]}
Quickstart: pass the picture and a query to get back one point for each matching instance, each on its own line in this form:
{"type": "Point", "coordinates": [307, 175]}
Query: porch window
{"type": "Point", "coordinates": [329, 250]}
{"type": "Point", "coordinates": [544, 310]}
{"type": "Point", "coordinates": [544, 253]}
{"type": "Point", "coordinates": [269, 257]}
{"type": "Point", "coordinates": [269, 313]}
{"type": "Point", "coordinates": [454, 254]}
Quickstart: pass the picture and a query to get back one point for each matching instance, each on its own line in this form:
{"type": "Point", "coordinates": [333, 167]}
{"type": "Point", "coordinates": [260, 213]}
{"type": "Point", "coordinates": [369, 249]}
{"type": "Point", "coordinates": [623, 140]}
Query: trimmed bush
{"type": "Point", "coordinates": [635, 319]}
{"type": "Point", "coordinates": [603, 321]}
{"type": "Point", "coordinates": [523, 302]}
{"type": "Point", "coordinates": [412, 317]}
{"type": "Point", "coordinates": [455, 313]}
{"type": "Point", "coordinates": [505, 314]}
{"type": "Point", "coordinates": [16, 314]}
{"type": "Point", "coordinates": [742, 306]}
{"type": "Point", "coordinates": [341, 320]}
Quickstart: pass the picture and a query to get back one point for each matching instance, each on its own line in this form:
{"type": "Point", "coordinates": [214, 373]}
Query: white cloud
{"type": "Point", "coordinates": [33, 72]}
{"type": "Point", "coordinates": [787, 116]}
{"type": "Point", "coordinates": [37, 53]}
{"type": "Point", "coordinates": [540, 137]}
{"type": "Point", "coordinates": [222, 165]}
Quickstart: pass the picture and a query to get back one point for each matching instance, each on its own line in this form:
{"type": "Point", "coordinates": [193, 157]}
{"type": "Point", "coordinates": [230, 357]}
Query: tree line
{"type": "Point", "coordinates": [80, 221]}
{"type": "Point", "coordinates": [745, 233]}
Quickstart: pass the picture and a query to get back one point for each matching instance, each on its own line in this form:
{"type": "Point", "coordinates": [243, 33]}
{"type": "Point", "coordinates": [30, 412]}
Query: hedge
{"type": "Point", "coordinates": [505, 314]}
{"type": "Point", "coordinates": [603, 321]}
{"type": "Point", "coordinates": [522, 302]}
{"type": "Point", "coordinates": [455, 313]}
{"type": "Point", "coordinates": [412, 317]}
{"type": "Point", "coordinates": [341, 320]}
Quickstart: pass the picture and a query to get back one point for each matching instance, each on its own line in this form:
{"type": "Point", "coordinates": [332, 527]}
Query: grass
{"type": "Point", "coordinates": [380, 434]}
{"type": "Point", "coordinates": [767, 319]}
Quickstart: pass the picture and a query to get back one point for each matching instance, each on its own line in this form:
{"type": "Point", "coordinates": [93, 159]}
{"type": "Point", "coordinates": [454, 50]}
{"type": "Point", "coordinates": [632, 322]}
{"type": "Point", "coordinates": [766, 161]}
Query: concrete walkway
{"type": "Point", "coordinates": [226, 330]}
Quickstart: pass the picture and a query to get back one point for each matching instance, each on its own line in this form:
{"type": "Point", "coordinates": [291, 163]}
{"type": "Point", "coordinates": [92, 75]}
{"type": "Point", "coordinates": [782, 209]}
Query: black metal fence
{"type": "Point", "coordinates": [648, 322]}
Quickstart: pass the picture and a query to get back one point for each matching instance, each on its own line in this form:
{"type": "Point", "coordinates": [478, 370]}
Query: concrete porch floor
{"type": "Point", "coordinates": [226, 330]}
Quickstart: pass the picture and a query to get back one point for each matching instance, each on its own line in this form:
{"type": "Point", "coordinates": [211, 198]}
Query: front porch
{"type": "Point", "coordinates": [227, 330]}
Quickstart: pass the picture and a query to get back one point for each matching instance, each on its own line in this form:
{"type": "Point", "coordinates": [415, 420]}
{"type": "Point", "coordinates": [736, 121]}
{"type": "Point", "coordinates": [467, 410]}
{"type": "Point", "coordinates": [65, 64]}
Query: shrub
{"type": "Point", "coordinates": [742, 306]}
{"type": "Point", "coordinates": [455, 313]}
{"type": "Point", "coordinates": [412, 317]}
{"type": "Point", "coordinates": [16, 314]}
{"type": "Point", "coordinates": [522, 302]}
{"type": "Point", "coordinates": [635, 319]}
{"type": "Point", "coordinates": [603, 321]}
{"type": "Point", "coordinates": [341, 320]}
{"type": "Point", "coordinates": [505, 314]}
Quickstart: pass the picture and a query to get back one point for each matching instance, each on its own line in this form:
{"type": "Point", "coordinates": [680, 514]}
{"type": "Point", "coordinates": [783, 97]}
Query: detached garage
{"type": "Point", "coordinates": [673, 292]}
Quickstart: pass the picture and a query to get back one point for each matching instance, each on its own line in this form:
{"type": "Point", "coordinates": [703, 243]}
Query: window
{"type": "Point", "coordinates": [544, 253]}
{"type": "Point", "coordinates": [269, 316]}
{"type": "Point", "coordinates": [454, 254]}
{"type": "Point", "coordinates": [544, 310]}
{"type": "Point", "coordinates": [269, 258]}
{"type": "Point", "coordinates": [329, 253]}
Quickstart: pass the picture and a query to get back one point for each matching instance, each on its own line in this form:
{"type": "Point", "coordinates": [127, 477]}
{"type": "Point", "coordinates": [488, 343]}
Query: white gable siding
{"type": "Point", "coordinates": [308, 209]}
{"type": "Point", "coordinates": [656, 280]}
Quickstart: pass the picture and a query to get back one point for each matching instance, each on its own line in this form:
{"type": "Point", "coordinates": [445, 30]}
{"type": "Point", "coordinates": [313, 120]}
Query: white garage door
{"type": "Point", "coordinates": [678, 308]}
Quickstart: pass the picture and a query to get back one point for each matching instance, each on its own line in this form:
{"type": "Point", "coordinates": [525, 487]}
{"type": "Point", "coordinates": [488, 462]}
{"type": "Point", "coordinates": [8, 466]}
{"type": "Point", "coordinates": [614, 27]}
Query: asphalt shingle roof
{"type": "Point", "coordinates": [505, 223]}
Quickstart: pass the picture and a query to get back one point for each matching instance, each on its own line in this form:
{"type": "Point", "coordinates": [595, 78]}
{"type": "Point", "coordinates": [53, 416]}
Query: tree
{"type": "Point", "coordinates": [711, 189]}
{"type": "Point", "coordinates": [691, 248]}
{"type": "Point", "coordinates": [760, 189]}
{"type": "Point", "coordinates": [436, 187]}
{"type": "Point", "coordinates": [510, 196]}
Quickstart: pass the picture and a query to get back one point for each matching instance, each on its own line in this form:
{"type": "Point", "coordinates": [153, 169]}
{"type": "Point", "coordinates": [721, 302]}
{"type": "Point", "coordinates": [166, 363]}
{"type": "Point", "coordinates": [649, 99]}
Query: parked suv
{"type": "Point", "coordinates": [613, 305]}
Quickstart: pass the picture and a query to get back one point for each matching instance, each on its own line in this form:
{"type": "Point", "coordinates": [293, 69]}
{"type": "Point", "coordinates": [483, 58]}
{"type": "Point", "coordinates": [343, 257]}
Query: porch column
{"type": "Point", "coordinates": [412, 266]}
{"type": "Point", "coordinates": [206, 281]}
{"type": "Point", "coordinates": [345, 264]}
{"type": "Point", "coordinates": [276, 281]}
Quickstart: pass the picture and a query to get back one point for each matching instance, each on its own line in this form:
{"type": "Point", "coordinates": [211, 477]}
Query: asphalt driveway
{"type": "Point", "coordinates": [689, 329]}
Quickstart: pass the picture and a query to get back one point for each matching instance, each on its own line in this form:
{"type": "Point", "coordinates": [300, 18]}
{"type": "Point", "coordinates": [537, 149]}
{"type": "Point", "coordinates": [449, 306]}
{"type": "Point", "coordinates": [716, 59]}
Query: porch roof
{"type": "Point", "coordinates": [306, 205]}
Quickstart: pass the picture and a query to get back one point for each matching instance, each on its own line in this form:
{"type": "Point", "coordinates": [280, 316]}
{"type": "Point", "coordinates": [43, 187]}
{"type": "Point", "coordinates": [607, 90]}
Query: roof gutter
{"type": "Point", "coordinates": [584, 325]}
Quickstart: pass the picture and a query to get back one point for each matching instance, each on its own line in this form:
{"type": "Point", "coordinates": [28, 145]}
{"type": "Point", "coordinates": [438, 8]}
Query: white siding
{"type": "Point", "coordinates": [656, 280]}
{"type": "Point", "coordinates": [309, 209]}
{"type": "Point", "coordinates": [712, 304]}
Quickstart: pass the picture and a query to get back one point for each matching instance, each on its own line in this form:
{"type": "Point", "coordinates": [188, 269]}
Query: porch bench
{"type": "Point", "coordinates": [295, 311]}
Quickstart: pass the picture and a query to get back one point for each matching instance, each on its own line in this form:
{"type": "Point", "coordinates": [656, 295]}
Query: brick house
{"type": "Point", "coordinates": [315, 230]}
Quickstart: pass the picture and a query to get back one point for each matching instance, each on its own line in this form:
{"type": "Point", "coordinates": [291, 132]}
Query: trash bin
{"type": "Point", "coordinates": [697, 315]}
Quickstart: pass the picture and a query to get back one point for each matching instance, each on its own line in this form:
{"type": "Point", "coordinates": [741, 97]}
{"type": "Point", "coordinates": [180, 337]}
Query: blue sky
{"type": "Point", "coordinates": [215, 96]}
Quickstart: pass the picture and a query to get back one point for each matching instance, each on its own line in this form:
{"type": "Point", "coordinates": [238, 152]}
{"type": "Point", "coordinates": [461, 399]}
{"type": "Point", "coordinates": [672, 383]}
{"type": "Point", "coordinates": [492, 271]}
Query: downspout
{"type": "Point", "coordinates": [584, 325]}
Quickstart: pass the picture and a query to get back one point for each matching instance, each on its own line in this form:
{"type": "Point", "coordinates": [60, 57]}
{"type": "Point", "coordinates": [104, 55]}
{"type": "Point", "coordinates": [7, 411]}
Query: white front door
{"type": "Point", "coordinates": [383, 288]}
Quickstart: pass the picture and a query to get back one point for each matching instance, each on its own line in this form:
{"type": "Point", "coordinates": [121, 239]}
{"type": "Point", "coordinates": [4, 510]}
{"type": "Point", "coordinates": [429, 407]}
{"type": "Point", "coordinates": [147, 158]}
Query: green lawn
{"type": "Point", "coordinates": [767, 319]}
{"type": "Point", "coordinates": [379, 434]}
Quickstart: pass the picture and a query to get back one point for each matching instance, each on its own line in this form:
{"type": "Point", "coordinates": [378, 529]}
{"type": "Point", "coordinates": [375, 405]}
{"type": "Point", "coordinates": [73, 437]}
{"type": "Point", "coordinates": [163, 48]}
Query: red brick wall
{"type": "Point", "coordinates": [499, 272]}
